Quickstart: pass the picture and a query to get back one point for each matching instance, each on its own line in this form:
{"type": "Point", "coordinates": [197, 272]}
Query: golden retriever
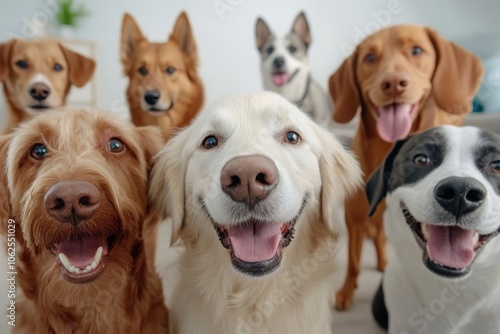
{"type": "Point", "coordinates": [75, 183]}
{"type": "Point", "coordinates": [38, 75]}
{"type": "Point", "coordinates": [255, 191]}
{"type": "Point", "coordinates": [164, 87]}
{"type": "Point", "coordinates": [405, 79]}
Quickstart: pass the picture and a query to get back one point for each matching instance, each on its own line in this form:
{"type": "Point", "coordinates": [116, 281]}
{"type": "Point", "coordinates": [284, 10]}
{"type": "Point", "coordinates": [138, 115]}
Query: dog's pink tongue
{"type": "Point", "coordinates": [280, 79]}
{"type": "Point", "coordinates": [394, 121]}
{"type": "Point", "coordinates": [255, 242]}
{"type": "Point", "coordinates": [451, 246]}
{"type": "Point", "coordinates": [81, 251]}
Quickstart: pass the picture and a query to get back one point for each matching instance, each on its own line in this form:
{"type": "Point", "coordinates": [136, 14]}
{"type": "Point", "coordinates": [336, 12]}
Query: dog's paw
{"type": "Point", "coordinates": [343, 299]}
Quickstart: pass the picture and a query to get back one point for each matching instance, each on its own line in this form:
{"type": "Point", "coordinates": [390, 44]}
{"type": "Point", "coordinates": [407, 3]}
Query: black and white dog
{"type": "Point", "coordinates": [285, 68]}
{"type": "Point", "coordinates": [442, 191]}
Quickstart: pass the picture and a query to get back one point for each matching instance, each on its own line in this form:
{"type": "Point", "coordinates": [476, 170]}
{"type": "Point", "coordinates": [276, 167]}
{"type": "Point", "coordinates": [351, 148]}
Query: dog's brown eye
{"type": "Point", "coordinates": [292, 49]}
{"type": "Point", "coordinates": [58, 67]}
{"type": "Point", "coordinates": [292, 137]}
{"type": "Point", "coordinates": [210, 142]}
{"type": "Point", "coordinates": [142, 70]}
{"type": "Point", "coordinates": [370, 58]}
{"type": "Point", "coordinates": [495, 167]}
{"type": "Point", "coordinates": [421, 160]}
{"type": "Point", "coordinates": [39, 151]}
{"type": "Point", "coordinates": [115, 145]}
{"type": "Point", "coordinates": [170, 70]}
{"type": "Point", "coordinates": [22, 64]}
{"type": "Point", "coordinates": [416, 50]}
{"type": "Point", "coordinates": [270, 50]}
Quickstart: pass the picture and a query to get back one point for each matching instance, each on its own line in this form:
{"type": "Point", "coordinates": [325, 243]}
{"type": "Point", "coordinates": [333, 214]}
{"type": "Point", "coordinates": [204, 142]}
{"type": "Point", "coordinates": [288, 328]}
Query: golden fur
{"type": "Point", "coordinates": [41, 58]}
{"type": "Point", "coordinates": [181, 91]}
{"type": "Point", "coordinates": [213, 297]}
{"type": "Point", "coordinates": [443, 80]}
{"type": "Point", "coordinates": [126, 297]}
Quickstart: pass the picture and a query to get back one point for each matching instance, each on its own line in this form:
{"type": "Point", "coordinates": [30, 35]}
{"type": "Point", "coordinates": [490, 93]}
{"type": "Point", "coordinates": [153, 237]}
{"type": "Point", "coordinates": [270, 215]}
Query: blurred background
{"type": "Point", "coordinates": [224, 31]}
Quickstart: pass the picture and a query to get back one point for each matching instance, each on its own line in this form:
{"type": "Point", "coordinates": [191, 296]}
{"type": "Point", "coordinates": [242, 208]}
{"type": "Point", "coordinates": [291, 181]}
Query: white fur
{"type": "Point", "coordinates": [211, 296]}
{"type": "Point", "coordinates": [418, 301]}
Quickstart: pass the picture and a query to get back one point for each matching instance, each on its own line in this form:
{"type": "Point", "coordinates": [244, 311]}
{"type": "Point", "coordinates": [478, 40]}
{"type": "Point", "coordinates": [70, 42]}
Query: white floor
{"type": "Point", "coordinates": [357, 320]}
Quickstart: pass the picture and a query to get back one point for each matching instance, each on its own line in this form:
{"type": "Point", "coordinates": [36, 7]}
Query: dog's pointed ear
{"type": "Point", "coordinates": [377, 183]}
{"type": "Point", "coordinates": [5, 207]}
{"type": "Point", "coordinates": [5, 52]}
{"type": "Point", "coordinates": [340, 177]}
{"type": "Point", "coordinates": [167, 182]}
{"type": "Point", "coordinates": [131, 35]}
{"type": "Point", "coordinates": [80, 68]}
{"type": "Point", "coordinates": [151, 139]}
{"type": "Point", "coordinates": [300, 27]}
{"type": "Point", "coordinates": [183, 34]}
{"type": "Point", "coordinates": [457, 67]}
{"type": "Point", "coordinates": [262, 33]}
{"type": "Point", "coordinates": [343, 89]}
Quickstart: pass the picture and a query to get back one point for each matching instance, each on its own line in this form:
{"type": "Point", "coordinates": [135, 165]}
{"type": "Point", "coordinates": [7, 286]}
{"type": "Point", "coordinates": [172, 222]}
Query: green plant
{"type": "Point", "coordinates": [68, 14]}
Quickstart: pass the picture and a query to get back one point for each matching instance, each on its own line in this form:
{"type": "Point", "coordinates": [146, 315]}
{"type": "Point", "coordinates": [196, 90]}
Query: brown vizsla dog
{"type": "Point", "coordinates": [405, 79]}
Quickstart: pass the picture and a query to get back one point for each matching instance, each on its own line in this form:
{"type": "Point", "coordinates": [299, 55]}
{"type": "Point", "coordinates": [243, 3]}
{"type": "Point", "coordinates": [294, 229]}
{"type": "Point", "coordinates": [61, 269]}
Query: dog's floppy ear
{"type": "Point", "coordinates": [343, 89]}
{"type": "Point", "coordinates": [262, 33]}
{"type": "Point", "coordinates": [457, 76]}
{"type": "Point", "coordinates": [5, 51]}
{"type": "Point", "coordinates": [80, 69]}
{"type": "Point", "coordinates": [300, 27]}
{"type": "Point", "coordinates": [131, 35]}
{"type": "Point", "coordinates": [167, 182]}
{"type": "Point", "coordinates": [377, 184]}
{"type": "Point", "coordinates": [5, 207]}
{"type": "Point", "coordinates": [151, 139]}
{"type": "Point", "coordinates": [340, 176]}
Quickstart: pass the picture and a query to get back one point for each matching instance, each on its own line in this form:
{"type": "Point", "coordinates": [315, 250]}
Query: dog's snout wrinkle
{"type": "Point", "coordinates": [39, 91]}
{"type": "Point", "coordinates": [249, 179]}
{"type": "Point", "coordinates": [395, 83]}
{"type": "Point", "coordinates": [460, 195]}
{"type": "Point", "coordinates": [72, 201]}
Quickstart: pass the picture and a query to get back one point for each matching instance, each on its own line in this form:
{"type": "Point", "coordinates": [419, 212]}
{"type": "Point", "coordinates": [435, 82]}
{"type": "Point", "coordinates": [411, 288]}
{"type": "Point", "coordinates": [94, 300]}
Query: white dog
{"type": "Point", "coordinates": [442, 216]}
{"type": "Point", "coordinates": [256, 190]}
{"type": "Point", "coordinates": [285, 68]}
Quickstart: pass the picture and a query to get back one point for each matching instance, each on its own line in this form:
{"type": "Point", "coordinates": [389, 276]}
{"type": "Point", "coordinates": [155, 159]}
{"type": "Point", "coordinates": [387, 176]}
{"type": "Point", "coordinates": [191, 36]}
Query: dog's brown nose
{"type": "Point", "coordinates": [39, 91]}
{"type": "Point", "coordinates": [72, 201]}
{"type": "Point", "coordinates": [395, 83]}
{"type": "Point", "coordinates": [249, 179]}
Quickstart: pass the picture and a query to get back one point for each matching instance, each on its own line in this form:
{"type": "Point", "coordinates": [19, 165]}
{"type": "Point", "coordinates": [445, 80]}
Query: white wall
{"type": "Point", "coordinates": [229, 61]}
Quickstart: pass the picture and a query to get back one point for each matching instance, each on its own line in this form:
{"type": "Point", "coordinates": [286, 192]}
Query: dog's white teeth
{"type": "Point", "coordinates": [425, 231]}
{"type": "Point", "coordinates": [93, 265]}
{"type": "Point", "coordinates": [64, 260]}
{"type": "Point", "coordinates": [97, 257]}
{"type": "Point", "coordinates": [428, 252]}
{"type": "Point", "coordinates": [475, 238]}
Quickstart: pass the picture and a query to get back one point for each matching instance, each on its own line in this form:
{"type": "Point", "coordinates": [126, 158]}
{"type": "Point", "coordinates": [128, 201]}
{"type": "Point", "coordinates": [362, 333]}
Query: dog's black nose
{"type": "Point", "coordinates": [72, 201]}
{"type": "Point", "coordinates": [249, 179]}
{"type": "Point", "coordinates": [460, 195]}
{"type": "Point", "coordinates": [278, 62]}
{"type": "Point", "coordinates": [39, 91]}
{"type": "Point", "coordinates": [151, 97]}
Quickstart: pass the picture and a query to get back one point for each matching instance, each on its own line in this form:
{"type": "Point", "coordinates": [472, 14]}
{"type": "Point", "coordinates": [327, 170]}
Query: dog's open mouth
{"type": "Point", "coordinates": [448, 251]}
{"type": "Point", "coordinates": [256, 246]}
{"type": "Point", "coordinates": [395, 120]}
{"type": "Point", "coordinates": [83, 259]}
{"type": "Point", "coordinates": [281, 78]}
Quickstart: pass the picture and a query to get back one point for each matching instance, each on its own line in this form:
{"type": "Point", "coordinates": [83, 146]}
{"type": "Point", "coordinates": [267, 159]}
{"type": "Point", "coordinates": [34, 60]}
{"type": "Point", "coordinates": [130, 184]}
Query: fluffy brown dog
{"type": "Point", "coordinates": [164, 88]}
{"type": "Point", "coordinates": [405, 79]}
{"type": "Point", "coordinates": [75, 184]}
{"type": "Point", "coordinates": [39, 75]}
